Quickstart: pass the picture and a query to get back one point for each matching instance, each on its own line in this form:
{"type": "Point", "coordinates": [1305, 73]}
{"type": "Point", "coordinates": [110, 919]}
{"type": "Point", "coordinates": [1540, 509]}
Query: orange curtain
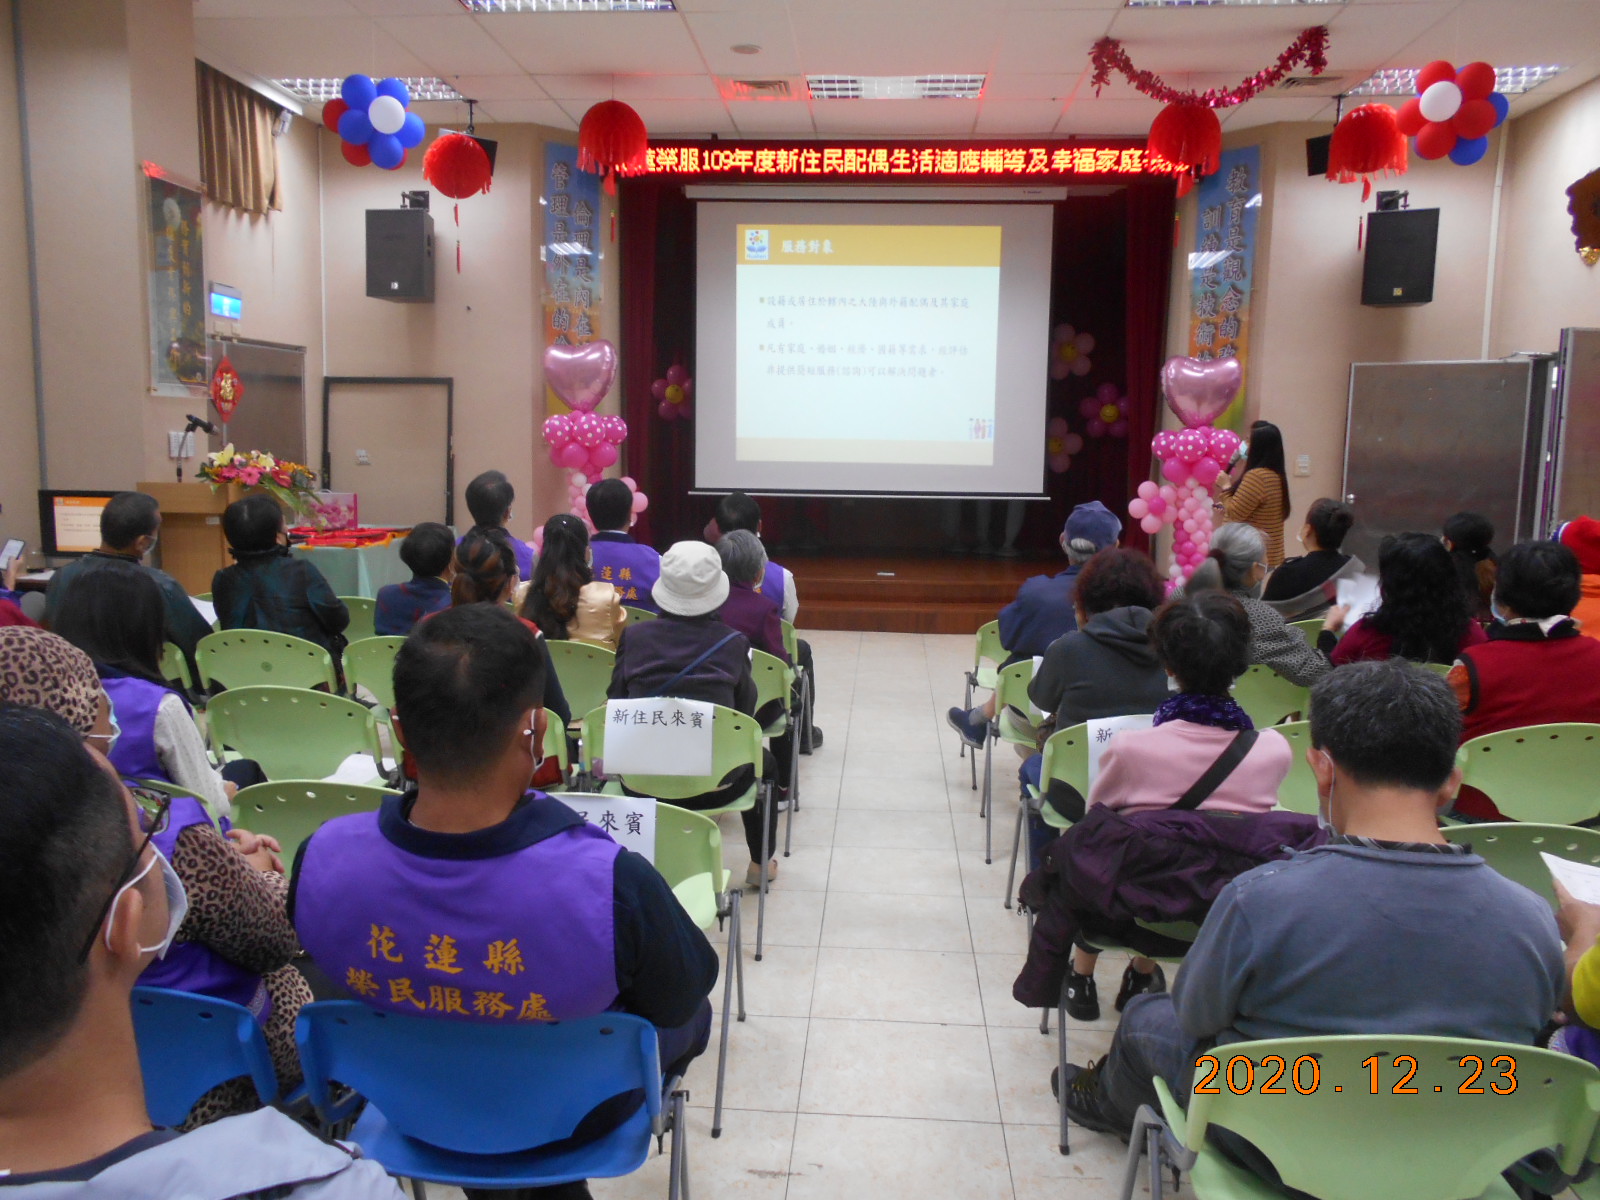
{"type": "Point", "coordinates": [238, 154]}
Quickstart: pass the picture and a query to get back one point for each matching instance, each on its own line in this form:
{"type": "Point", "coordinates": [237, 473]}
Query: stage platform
{"type": "Point", "coordinates": [934, 593]}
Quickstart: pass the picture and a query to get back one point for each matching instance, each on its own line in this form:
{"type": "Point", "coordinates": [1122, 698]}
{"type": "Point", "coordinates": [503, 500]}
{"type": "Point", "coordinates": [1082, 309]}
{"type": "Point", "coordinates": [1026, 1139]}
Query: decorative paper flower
{"type": "Point", "coordinates": [1060, 445]}
{"type": "Point", "coordinates": [1453, 111]}
{"type": "Point", "coordinates": [674, 394]}
{"type": "Point", "coordinates": [1069, 352]}
{"type": "Point", "coordinates": [1106, 412]}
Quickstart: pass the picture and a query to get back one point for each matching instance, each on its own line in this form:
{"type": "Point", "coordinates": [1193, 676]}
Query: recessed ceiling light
{"type": "Point", "coordinates": [524, 6]}
{"type": "Point", "coordinates": [746, 48]}
{"type": "Point", "coordinates": [1230, 3]}
{"type": "Point", "coordinates": [1402, 81]}
{"type": "Point", "coordinates": [895, 87]}
{"type": "Point", "coordinates": [429, 88]}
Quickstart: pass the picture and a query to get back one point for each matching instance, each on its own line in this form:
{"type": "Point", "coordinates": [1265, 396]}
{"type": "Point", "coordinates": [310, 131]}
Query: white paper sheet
{"type": "Point", "coordinates": [206, 609]}
{"type": "Point", "coordinates": [357, 768]}
{"type": "Point", "coordinates": [629, 820]}
{"type": "Point", "coordinates": [1101, 730]}
{"type": "Point", "coordinates": [1359, 595]}
{"type": "Point", "coordinates": [1581, 879]}
{"type": "Point", "coordinates": [658, 736]}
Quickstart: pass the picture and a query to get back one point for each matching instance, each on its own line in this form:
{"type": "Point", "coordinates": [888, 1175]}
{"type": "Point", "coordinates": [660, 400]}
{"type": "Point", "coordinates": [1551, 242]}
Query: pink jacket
{"type": "Point", "coordinates": [1151, 768]}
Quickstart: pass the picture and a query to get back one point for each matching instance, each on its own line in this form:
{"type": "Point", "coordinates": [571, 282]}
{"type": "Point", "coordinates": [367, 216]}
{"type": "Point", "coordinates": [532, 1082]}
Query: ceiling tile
{"type": "Point", "coordinates": [452, 113]}
{"type": "Point", "coordinates": [1106, 117]}
{"type": "Point", "coordinates": [685, 117]}
{"type": "Point", "coordinates": [451, 45]}
{"type": "Point", "coordinates": [527, 112]}
{"type": "Point", "coordinates": [1018, 118]}
{"type": "Point", "coordinates": [1050, 42]}
{"type": "Point", "coordinates": [406, 8]}
{"type": "Point", "coordinates": [764, 25]}
{"type": "Point", "coordinates": [596, 43]}
{"type": "Point", "coordinates": [872, 41]}
{"type": "Point", "coordinates": [1009, 85]}
{"type": "Point", "coordinates": [206, 10]}
{"type": "Point", "coordinates": [630, 87]}
{"type": "Point", "coordinates": [888, 118]}
{"type": "Point", "coordinates": [1271, 111]}
{"type": "Point", "coordinates": [771, 118]}
{"type": "Point", "coordinates": [1231, 39]}
{"type": "Point", "coordinates": [520, 86]}
{"type": "Point", "coordinates": [308, 46]}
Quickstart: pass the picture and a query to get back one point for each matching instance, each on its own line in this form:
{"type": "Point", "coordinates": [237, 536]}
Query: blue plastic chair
{"type": "Point", "coordinates": [190, 1043]}
{"type": "Point", "coordinates": [461, 1102]}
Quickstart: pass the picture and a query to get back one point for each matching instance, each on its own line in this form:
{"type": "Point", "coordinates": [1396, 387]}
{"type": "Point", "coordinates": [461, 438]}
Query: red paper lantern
{"type": "Point", "coordinates": [1366, 142]}
{"type": "Point", "coordinates": [457, 165]}
{"type": "Point", "coordinates": [1189, 135]}
{"type": "Point", "coordinates": [612, 138]}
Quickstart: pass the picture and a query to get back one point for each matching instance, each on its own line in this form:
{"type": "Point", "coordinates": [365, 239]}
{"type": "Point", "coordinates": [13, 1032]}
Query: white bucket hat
{"type": "Point", "coordinates": [692, 581]}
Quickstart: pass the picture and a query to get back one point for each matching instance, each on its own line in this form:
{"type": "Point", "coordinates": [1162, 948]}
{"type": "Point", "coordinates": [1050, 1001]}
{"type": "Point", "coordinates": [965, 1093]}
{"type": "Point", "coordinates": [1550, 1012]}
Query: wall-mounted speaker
{"type": "Point", "coordinates": [1317, 154]}
{"type": "Point", "coordinates": [1400, 252]}
{"type": "Point", "coordinates": [400, 254]}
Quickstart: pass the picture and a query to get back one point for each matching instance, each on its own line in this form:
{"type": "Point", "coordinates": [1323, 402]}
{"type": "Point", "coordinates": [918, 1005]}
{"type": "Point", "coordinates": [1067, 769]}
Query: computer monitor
{"type": "Point", "coordinates": [69, 521]}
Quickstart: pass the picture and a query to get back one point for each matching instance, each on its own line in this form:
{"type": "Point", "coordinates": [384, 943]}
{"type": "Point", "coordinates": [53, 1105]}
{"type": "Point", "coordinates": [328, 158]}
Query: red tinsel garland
{"type": "Point", "coordinates": [1311, 48]}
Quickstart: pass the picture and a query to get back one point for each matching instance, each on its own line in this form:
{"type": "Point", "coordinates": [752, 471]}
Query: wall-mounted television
{"type": "Point", "coordinates": [69, 521]}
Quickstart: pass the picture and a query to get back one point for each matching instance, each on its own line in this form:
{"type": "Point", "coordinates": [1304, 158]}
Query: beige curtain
{"type": "Point", "coordinates": [238, 154]}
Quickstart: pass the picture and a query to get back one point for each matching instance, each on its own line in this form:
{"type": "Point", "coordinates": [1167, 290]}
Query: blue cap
{"type": "Point", "coordinates": [1093, 522]}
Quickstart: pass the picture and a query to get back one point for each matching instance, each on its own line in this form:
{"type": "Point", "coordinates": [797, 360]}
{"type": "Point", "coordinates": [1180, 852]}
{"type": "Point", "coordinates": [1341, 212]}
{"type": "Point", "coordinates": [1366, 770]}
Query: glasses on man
{"type": "Point", "coordinates": [154, 812]}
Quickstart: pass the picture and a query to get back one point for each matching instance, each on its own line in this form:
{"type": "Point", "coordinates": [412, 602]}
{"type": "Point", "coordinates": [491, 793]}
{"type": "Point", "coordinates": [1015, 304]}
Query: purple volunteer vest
{"type": "Point", "coordinates": [189, 966]}
{"type": "Point", "coordinates": [632, 567]}
{"type": "Point", "coordinates": [134, 703]}
{"type": "Point", "coordinates": [523, 936]}
{"type": "Point", "coordinates": [772, 586]}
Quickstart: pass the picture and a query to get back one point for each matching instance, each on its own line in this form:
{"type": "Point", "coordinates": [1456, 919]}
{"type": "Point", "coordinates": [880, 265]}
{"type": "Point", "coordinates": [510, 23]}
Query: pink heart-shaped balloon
{"type": "Point", "coordinates": [581, 375]}
{"type": "Point", "coordinates": [1200, 392]}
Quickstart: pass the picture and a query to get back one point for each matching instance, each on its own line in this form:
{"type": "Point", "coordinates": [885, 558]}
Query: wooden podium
{"type": "Point", "coordinates": [192, 546]}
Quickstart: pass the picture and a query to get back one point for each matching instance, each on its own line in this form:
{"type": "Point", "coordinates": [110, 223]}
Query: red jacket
{"type": "Point", "coordinates": [1522, 677]}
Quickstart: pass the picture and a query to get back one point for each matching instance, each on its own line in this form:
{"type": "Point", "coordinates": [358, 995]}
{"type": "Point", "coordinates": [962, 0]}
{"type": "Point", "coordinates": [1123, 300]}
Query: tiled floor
{"type": "Point", "coordinates": [884, 1056]}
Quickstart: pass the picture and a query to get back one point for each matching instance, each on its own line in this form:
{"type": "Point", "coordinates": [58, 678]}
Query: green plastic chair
{"type": "Point", "coordinates": [1513, 849]}
{"type": "Point", "coordinates": [1544, 773]}
{"type": "Point", "coordinates": [1311, 627]}
{"type": "Point", "coordinates": [1010, 690]}
{"type": "Point", "coordinates": [1066, 759]}
{"type": "Point", "coordinates": [636, 614]}
{"type": "Point", "coordinates": [1298, 791]}
{"type": "Point", "coordinates": [688, 854]}
{"type": "Point", "coordinates": [791, 643]}
{"type": "Point", "coordinates": [239, 658]}
{"type": "Point", "coordinates": [291, 810]}
{"type": "Point", "coordinates": [1269, 698]}
{"type": "Point", "coordinates": [363, 612]}
{"type": "Point", "coordinates": [292, 733]}
{"type": "Point", "coordinates": [987, 655]}
{"type": "Point", "coordinates": [736, 742]}
{"type": "Point", "coordinates": [369, 663]}
{"type": "Point", "coordinates": [175, 667]}
{"type": "Point", "coordinates": [1352, 1144]}
{"type": "Point", "coordinates": [584, 672]}
{"type": "Point", "coordinates": [775, 681]}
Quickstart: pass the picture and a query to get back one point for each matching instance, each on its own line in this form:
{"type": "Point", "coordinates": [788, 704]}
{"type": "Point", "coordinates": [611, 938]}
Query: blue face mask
{"type": "Point", "coordinates": [1494, 611]}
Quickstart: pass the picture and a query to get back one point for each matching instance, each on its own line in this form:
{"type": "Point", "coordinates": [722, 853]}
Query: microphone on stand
{"type": "Point", "coordinates": [199, 423]}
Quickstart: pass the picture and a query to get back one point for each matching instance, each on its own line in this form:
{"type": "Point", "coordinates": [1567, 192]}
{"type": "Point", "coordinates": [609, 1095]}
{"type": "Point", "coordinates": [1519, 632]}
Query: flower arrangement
{"type": "Point", "coordinates": [289, 482]}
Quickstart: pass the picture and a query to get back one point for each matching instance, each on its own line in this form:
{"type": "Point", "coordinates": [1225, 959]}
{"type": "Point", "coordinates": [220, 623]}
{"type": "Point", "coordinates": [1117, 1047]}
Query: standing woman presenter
{"type": "Point", "coordinates": [1260, 497]}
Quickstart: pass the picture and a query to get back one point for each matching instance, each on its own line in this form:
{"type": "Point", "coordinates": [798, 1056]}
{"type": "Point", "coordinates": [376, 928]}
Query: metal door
{"type": "Point", "coordinates": [389, 441]}
{"type": "Point", "coordinates": [1428, 439]}
{"type": "Point", "coordinates": [272, 414]}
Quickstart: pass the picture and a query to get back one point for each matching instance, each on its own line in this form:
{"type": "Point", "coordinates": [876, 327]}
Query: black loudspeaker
{"type": "Point", "coordinates": [1317, 154]}
{"type": "Point", "coordinates": [1400, 252]}
{"type": "Point", "coordinates": [400, 254]}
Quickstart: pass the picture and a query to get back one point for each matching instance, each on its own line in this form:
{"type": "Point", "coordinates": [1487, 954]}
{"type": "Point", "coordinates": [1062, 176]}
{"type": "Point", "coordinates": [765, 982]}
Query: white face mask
{"type": "Point", "coordinates": [177, 903]}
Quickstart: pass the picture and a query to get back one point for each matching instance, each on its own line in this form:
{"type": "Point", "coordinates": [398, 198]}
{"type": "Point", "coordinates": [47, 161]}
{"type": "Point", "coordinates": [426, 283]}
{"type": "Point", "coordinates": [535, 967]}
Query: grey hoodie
{"type": "Point", "coordinates": [1105, 669]}
{"type": "Point", "coordinates": [261, 1154]}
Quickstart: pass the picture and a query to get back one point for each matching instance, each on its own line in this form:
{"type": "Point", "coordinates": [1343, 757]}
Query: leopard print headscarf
{"type": "Point", "coordinates": [41, 670]}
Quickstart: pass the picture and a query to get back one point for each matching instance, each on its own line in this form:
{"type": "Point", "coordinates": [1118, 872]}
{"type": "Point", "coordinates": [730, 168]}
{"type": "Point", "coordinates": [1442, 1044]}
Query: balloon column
{"type": "Point", "coordinates": [674, 395]}
{"type": "Point", "coordinates": [373, 121]}
{"type": "Point", "coordinates": [1453, 111]}
{"type": "Point", "coordinates": [583, 441]}
{"type": "Point", "coordinates": [1191, 458]}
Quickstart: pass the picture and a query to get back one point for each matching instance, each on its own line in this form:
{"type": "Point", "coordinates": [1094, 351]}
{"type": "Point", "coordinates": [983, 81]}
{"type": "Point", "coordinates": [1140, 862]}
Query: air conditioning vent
{"type": "Point", "coordinates": [756, 89]}
{"type": "Point", "coordinates": [1297, 83]}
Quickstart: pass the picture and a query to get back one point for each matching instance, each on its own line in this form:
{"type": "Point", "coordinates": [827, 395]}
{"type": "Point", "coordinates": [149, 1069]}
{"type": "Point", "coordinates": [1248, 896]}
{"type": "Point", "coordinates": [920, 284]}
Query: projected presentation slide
{"type": "Point", "coordinates": [872, 348]}
{"type": "Point", "coordinates": [830, 316]}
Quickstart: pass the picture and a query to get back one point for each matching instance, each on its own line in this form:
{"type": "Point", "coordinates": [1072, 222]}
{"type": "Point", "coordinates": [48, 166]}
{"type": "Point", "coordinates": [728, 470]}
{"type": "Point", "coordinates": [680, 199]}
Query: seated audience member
{"type": "Point", "coordinates": [736, 510]}
{"type": "Point", "coordinates": [129, 526]}
{"type": "Point", "coordinates": [753, 614]}
{"type": "Point", "coordinates": [117, 622]}
{"type": "Point", "coordinates": [1303, 587]}
{"type": "Point", "coordinates": [1203, 643]}
{"type": "Point", "coordinates": [691, 655]}
{"type": "Point", "coordinates": [1421, 615]}
{"type": "Point", "coordinates": [618, 559]}
{"type": "Point", "coordinates": [428, 550]}
{"type": "Point", "coordinates": [267, 587]}
{"type": "Point", "coordinates": [1582, 536]}
{"type": "Point", "coordinates": [89, 907]}
{"type": "Point", "coordinates": [473, 897]}
{"type": "Point", "coordinates": [565, 600]}
{"type": "Point", "coordinates": [1467, 536]}
{"type": "Point", "coordinates": [489, 498]}
{"type": "Point", "coordinates": [1237, 564]}
{"type": "Point", "coordinates": [1043, 609]}
{"type": "Point", "coordinates": [1535, 669]}
{"type": "Point", "coordinates": [235, 943]}
{"type": "Point", "coordinates": [486, 573]}
{"type": "Point", "coordinates": [1278, 956]}
{"type": "Point", "coordinates": [1106, 667]}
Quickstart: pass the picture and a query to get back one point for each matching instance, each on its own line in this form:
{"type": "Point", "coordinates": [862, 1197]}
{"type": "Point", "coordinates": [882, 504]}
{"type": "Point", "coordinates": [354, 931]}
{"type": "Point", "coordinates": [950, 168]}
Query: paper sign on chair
{"type": "Point", "coordinates": [630, 820]}
{"type": "Point", "coordinates": [1100, 731]}
{"type": "Point", "coordinates": [659, 736]}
